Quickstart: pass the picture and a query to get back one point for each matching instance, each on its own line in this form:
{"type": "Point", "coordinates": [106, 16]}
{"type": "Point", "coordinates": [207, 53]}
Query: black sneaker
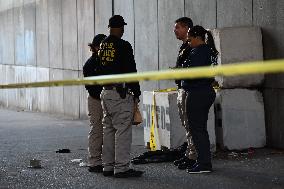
{"type": "Point", "coordinates": [108, 173]}
{"type": "Point", "coordinates": [177, 162]}
{"type": "Point", "coordinates": [96, 169]}
{"type": "Point", "coordinates": [129, 173]}
{"type": "Point", "coordinates": [200, 168]}
{"type": "Point", "coordinates": [187, 164]}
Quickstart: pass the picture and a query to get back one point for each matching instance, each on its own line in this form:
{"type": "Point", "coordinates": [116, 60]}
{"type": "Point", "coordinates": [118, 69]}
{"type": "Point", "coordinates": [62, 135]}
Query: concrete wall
{"type": "Point", "coordinates": [86, 25]}
{"type": "Point", "coordinates": [103, 11]}
{"type": "Point", "coordinates": [193, 12]}
{"type": "Point", "coordinates": [168, 45]}
{"type": "Point", "coordinates": [43, 40]}
{"type": "Point", "coordinates": [146, 40]}
{"type": "Point", "coordinates": [128, 15]}
{"type": "Point", "coordinates": [50, 37]}
{"type": "Point", "coordinates": [269, 15]}
{"type": "Point", "coordinates": [232, 13]}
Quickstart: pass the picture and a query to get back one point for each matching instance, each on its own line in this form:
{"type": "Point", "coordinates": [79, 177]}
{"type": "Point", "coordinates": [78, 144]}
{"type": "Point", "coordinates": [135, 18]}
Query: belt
{"type": "Point", "coordinates": [109, 88]}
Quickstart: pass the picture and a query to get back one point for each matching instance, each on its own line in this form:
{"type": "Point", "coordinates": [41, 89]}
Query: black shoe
{"type": "Point", "coordinates": [108, 173]}
{"type": "Point", "coordinates": [128, 173]}
{"type": "Point", "coordinates": [179, 161]}
{"type": "Point", "coordinates": [200, 168]}
{"type": "Point", "coordinates": [96, 169]}
{"type": "Point", "coordinates": [187, 164]}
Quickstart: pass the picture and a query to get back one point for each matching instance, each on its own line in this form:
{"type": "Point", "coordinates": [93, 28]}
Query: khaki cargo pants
{"type": "Point", "coordinates": [181, 99]}
{"type": "Point", "coordinates": [117, 128]}
{"type": "Point", "coordinates": [96, 131]}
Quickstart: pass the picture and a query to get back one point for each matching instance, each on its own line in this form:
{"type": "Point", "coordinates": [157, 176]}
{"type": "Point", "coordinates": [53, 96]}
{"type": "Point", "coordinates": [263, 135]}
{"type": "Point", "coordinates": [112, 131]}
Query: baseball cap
{"type": "Point", "coordinates": [97, 40]}
{"type": "Point", "coordinates": [116, 21]}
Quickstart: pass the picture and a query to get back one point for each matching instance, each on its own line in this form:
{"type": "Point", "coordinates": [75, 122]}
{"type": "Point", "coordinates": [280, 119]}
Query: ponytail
{"type": "Point", "coordinates": [210, 41]}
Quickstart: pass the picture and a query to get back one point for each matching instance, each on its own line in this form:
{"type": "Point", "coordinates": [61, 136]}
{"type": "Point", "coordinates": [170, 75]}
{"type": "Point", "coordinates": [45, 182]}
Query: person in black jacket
{"type": "Point", "coordinates": [182, 25]}
{"type": "Point", "coordinates": [116, 57]}
{"type": "Point", "coordinates": [201, 95]}
{"type": "Point", "coordinates": [95, 138]}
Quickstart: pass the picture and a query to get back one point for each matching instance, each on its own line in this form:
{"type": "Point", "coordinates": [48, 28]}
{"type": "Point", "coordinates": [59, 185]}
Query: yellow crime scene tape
{"type": "Point", "coordinates": [153, 128]}
{"type": "Point", "coordinates": [244, 68]}
{"type": "Point", "coordinates": [260, 67]}
{"type": "Point", "coordinates": [154, 134]}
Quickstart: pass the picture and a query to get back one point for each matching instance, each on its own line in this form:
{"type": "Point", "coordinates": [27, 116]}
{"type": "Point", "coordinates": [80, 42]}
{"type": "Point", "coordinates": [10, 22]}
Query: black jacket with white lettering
{"type": "Point", "coordinates": [116, 57]}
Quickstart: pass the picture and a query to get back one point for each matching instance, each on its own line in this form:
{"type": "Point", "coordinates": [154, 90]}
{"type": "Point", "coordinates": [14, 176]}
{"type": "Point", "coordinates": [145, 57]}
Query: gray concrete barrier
{"type": "Point", "coordinates": [239, 44]}
{"type": "Point", "coordinates": [170, 133]}
{"type": "Point", "coordinates": [240, 119]}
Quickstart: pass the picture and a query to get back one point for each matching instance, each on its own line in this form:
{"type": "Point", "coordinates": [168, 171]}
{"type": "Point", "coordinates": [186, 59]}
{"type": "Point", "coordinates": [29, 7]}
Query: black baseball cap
{"type": "Point", "coordinates": [116, 21]}
{"type": "Point", "coordinates": [97, 40]}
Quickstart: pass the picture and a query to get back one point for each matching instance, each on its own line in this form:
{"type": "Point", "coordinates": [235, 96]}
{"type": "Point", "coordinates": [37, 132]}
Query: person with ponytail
{"type": "Point", "coordinates": [200, 95]}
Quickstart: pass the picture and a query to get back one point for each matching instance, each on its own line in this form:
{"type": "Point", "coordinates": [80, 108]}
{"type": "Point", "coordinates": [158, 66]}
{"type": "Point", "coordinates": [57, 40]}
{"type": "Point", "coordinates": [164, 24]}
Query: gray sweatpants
{"type": "Point", "coordinates": [117, 128]}
{"type": "Point", "coordinates": [96, 131]}
{"type": "Point", "coordinates": [181, 99]}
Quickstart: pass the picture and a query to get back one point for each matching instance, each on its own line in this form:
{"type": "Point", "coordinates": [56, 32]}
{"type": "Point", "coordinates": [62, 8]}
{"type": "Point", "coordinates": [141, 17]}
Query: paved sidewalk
{"type": "Point", "coordinates": [26, 135]}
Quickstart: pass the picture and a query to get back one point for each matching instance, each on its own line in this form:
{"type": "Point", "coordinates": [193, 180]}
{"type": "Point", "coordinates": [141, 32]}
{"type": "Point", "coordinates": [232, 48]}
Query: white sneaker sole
{"type": "Point", "coordinates": [200, 172]}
